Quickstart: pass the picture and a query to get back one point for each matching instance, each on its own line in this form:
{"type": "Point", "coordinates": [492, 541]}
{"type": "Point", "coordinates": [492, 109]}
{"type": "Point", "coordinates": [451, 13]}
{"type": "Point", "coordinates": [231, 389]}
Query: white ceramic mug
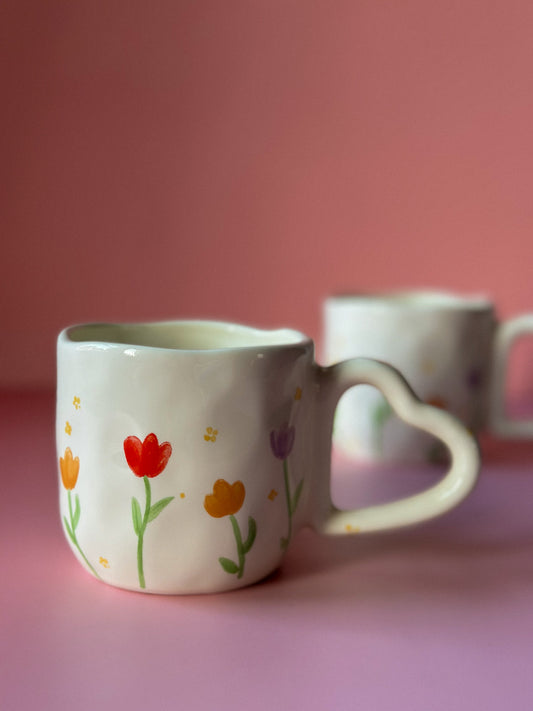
{"type": "Point", "coordinates": [450, 348]}
{"type": "Point", "coordinates": [190, 453]}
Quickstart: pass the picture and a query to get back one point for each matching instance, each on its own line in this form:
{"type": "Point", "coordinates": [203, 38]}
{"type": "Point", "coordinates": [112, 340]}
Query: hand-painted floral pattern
{"type": "Point", "coordinates": [437, 401]}
{"type": "Point", "coordinates": [146, 460]}
{"type": "Point", "coordinates": [281, 443]}
{"type": "Point", "coordinates": [226, 500]}
{"type": "Point", "coordinates": [474, 378]}
{"type": "Point", "coordinates": [69, 467]}
{"type": "Point", "coordinates": [381, 413]}
{"type": "Point", "coordinates": [210, 434]}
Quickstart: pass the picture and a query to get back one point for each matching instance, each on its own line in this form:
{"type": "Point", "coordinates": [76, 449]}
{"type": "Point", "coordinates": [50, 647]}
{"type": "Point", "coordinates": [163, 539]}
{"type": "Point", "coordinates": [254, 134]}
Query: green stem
{"type": "Point", "coordinates": [140, 542]}
{"type": "Point", "coordinates": [75, 539]}
{"type": "Point", "coordinates": [288, 497]}
{"type": "Point", "coordinates": [70, 511]}
{"type": "Point", "coordinates": [240, 547]}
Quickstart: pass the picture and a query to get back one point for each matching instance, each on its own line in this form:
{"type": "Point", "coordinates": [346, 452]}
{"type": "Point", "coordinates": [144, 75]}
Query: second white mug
{"type": "Point", "coordinates": [451, 349]}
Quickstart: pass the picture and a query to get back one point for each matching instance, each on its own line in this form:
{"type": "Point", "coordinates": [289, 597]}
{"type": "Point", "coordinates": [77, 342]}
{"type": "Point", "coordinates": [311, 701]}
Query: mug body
{"type": "Point", "coordinates": [178, 445]}
{"type": "Point", "coordinates": [442, 344]}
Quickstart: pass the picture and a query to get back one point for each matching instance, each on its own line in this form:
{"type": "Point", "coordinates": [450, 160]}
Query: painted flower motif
{"type": "Point", "coordinates": [68, 428]}
{"type": "Point", "coordinates": [226, 498]}
{"type": "Point", "coordinates": [210, 434]}
{"type": "Point", "coordinates": [76, 402]}
{"type": "Point", "coordinates": [70, 467]}
{"type": "Point", "coordinates": [437, 401]}
{"type": "Point", "coordinates": [147, 458]}
{"type": "Point", "coordinates": [474, 378]}
{"type": "Point", "coordinates": [282, 441]}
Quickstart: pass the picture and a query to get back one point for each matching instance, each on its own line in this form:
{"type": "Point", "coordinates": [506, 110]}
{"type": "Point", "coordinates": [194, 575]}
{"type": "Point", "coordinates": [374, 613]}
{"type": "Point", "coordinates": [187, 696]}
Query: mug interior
{"type": "Point", "coordinates": [184, 335]}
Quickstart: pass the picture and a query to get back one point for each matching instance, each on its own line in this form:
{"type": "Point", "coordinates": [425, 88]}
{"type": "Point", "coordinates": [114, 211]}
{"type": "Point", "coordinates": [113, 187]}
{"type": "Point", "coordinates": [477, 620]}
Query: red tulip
{"type": "Point", "coordinates": [147, 458]}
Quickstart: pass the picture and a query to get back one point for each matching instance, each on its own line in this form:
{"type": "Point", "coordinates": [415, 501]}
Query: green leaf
{"type": "Point", "coordinates": [252, 532]}
{"type": "Point", "coordinates": [296, 497]}
{"type": "Point", "coordinates": [69, 531]}
{"type": "Point", "coordinates": [136, 515]}
{"type": "Point", "coordinates": [381, 413]}
{"type": "Point", "coordinates": [156, 509]}
{"type": "Point", "coordinates": [77, 512]}
{"type": "Point", "coordinates": [229, 566]}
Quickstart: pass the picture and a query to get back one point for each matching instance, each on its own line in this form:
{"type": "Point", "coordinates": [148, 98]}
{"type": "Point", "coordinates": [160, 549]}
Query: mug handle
{"type": "Point", "coordinates": [441, 497]}
{"type": "Point", "coordinates": [499, 422]}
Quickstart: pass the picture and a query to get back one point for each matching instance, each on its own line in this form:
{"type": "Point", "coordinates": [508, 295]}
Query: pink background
{"type": "Point", "coordinates": [241, 160]}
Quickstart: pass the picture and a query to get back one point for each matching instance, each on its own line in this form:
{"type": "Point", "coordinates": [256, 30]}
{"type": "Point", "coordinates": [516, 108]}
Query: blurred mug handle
{"type": "Point", "coordinates": [499, 421]}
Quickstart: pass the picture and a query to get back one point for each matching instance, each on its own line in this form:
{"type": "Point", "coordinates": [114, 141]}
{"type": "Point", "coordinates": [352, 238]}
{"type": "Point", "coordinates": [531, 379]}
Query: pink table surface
{"type": "Point", "coordinates": [432, 618]}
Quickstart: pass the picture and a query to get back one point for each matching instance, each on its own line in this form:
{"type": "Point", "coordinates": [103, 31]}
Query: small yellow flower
{"type": "Point", "coordinates": [68, 428]}
{"type": "Point", "coordinates": [70, 467]}
{"type": "Point", "coordinates": [104, 562]}
{"type": "Point", "coordinates": [298, 394]}
{"type": "Point", "coordinates": [272, 495]}
{"type": "Point", "coordinates": [210, 435]}
{"type": "Point", "coordinates": [351, 529]}
{"type": "Point", "coordinates": [76, 402]}
{"type": "Point", "coordinates": [428, 367]}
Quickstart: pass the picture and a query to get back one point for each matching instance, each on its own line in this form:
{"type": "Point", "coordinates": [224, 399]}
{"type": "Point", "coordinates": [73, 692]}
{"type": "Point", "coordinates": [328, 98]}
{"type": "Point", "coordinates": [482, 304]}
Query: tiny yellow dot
{"type": "Point", "coordinates": [68, 428]}
{"type": "Point", "coordinates": [298, 394]}
{"type": "Point", "coordinates": [351, 529]}
{"type": "Point", "coordinates": [272, 495]}
{"type": "Point", "coordinates": [428, 367]}
{"type": "Point", "coordinates": [104, 562]}
{"type": "Point", "coordinates": [182, 495]}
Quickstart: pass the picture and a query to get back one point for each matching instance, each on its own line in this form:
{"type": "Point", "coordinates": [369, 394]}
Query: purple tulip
{"type": "Point", "coordinates": [474, 378]}
{"type": "Point", "coordinates": [282, 441]}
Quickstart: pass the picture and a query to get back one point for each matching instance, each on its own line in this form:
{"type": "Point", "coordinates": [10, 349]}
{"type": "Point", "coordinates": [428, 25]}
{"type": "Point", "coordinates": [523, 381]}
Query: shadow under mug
{"type": "Point", "coordinates": [450, 348]}
{"type": "Point", "coordinates": [191, 452]}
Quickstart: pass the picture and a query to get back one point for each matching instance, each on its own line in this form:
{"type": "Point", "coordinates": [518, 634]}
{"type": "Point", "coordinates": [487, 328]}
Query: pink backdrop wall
{"type": "Point", "coordinates": [241, 160]}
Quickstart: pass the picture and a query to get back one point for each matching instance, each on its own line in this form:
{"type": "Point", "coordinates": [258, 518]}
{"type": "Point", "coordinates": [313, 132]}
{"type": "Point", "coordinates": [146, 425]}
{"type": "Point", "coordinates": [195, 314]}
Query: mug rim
{"type": "Point", "coordinates": [422, 299]}
{"type": "Point", "coordinates": [225, 336]}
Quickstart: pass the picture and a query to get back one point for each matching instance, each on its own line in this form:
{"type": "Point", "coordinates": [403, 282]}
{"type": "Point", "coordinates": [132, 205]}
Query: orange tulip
{"type": "Point", "coordinates": [70, 467]}
{"type": "Point", "coordinates": [437, 401]}
{"type": "Point", "coordinates": [225, 500]}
